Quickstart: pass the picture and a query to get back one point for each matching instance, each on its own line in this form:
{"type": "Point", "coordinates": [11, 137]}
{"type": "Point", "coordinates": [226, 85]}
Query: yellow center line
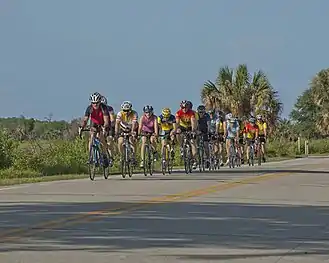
{"type": "Point", "coordinates": [92, 215]}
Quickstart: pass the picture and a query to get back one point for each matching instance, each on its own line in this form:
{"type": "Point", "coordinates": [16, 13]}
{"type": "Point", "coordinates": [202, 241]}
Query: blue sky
{"type": "Point", "coordinates": [53, 54]}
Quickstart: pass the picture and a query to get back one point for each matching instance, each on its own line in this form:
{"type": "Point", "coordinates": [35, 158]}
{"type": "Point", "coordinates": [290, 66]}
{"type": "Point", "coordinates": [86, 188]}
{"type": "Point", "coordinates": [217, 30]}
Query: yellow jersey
{"type": "Point", "coordinates": [261, 127]}
{"type": "Point", "coordinates": [166, 124]}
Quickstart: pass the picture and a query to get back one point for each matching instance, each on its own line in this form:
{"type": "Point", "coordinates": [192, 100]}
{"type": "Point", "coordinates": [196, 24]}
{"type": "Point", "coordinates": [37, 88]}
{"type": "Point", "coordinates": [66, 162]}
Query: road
{"type": "Point", "coordinates": [278, 212]}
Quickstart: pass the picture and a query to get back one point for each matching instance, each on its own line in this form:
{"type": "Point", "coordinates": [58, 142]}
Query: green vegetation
{"type": "Point", "coordinates": [34, 150]}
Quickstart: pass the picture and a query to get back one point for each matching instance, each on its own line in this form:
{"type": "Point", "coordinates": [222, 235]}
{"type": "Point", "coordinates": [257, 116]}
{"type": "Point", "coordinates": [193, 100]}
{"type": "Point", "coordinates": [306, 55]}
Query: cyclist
{"type": "Point", "coordinates": [204, 129]}
{"type": "Point", "coordinates": [215, 125]}
{"type": "Point", "coordinates": [127, 121]}
{"type": "Point", "coordinates": [231, 131]}
{"type": "Point", "coordinates": [186, 121]}
{"type": "Point", "coordinates": [167, 126]}
{"type": "Point", "coordinates": [110, 138]}
{"type": "Point", "coordinates": [99, 120]}
{"type": "Point", "coordinates": [148, 125]}
{"type": "Point", "coordinates": [242, 123]}
{"type": "Point", "coordinates": [250, 133]}
{"type": "Point", "coordinates": [262, 133]}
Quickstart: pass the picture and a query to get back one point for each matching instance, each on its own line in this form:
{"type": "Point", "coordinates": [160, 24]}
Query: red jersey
{"type": "Point", "coordinates": [185, 117]}
{"type": "Point", "coordinates": [97, 115]}
{"type": "Point", "coordinates": [251, 130]}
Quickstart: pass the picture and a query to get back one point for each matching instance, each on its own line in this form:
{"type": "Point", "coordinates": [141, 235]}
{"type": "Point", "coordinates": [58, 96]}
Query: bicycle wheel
{"type": "Point", "coordinates": [145, 159]}
{"type": "Point", "coordinates": [104, 160]}
{"type": "Point", "coordinates": [232, 156]}
{"type": "Point", "coordinates": [259, 153]}
{"type": "Point", "coordinates": [164, 160]}
{"type": "Point", "coordinates": [186, 158]}
{"type": "Point", "coordinates": [251, 156]}
{"type": "Point", "coordinates": [151, 161]}
{"type": "Point", "coordinates": [92, 166]}
{"type": "Point", "coordinates": [170, 160]}
{"type": "Point", "coordinates": [201, 157]}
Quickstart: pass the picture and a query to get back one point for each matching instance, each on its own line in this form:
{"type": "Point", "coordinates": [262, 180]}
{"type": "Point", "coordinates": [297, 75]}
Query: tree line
{"type": "Point", "coordinates": [234, 90]}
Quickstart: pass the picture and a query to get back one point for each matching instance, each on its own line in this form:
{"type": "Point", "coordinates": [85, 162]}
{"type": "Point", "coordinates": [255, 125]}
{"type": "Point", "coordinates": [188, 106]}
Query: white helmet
{"type": "Point", "coordinates": [229, 116]}
{"type": "Point", "coordinates": [95, 97]}
{"type": "Point", "coordinates": [126, 106]}
{"type": "Point", "coordinates": [259, 117]}
{"type": "Point", "coordinates": [104, 100]}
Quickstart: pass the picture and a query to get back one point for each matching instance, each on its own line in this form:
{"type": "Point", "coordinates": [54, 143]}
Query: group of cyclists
{"type": "Point", "coordinates": [210, 126]}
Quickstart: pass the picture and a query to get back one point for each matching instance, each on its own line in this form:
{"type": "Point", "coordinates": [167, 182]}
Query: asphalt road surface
{"type": "Point", "coordinates": [278, 212]}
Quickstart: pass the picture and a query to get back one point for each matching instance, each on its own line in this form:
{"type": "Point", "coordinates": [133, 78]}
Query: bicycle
{"type": "Point", "coordinates": [201, 153]}
{"type": "Point", "coordinates": [167, 159]}
{"type": "Point", "coordinates": [148, 158]}
{"type": "Point", "coordinates": [187, 152]}
{"type": "Point", "coordinates": [232, 153]}
{"type": "Point", "coordinates": [96, 159]}
{"type": "Point", "coordinates": [252, 152]}
{"type": "Point", "coordinates": [259, 152]}
{"type": "Point", "coordinates": [127, 166]}
{"type": "Point", "coordinates": [214, 161]}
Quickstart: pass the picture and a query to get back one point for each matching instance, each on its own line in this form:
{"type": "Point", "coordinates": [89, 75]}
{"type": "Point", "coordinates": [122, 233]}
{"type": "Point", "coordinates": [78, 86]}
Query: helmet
{"type": "Point", "coordinates": [201, 109]}
{"type": "Point", "coordinates": [125, 126]}
{"type": "Point", "coordinates": [104, 100]}
{"type": "Point", "coordinates": [148, 109]}
{"type": "Point", "coordinates": [95, 97]}
{"type": "Point", "coordinates": [229, 116]}
{"type": "Point", "coordinates": [189, 105]}
{"type": "Point", "coordinates": [166, 112]}
{"type": "Point", "coordinates": [126, 106]}
{"type": "Point", "coordinates": [252, 120]}
{"type": "Point", "coordinates": [259, 117]}
{"type": "Point", "coordinates": [184, 104]}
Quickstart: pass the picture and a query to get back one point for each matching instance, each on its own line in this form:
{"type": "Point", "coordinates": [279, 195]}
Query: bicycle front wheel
{"type": "Point", "coordinates": [92, 166]}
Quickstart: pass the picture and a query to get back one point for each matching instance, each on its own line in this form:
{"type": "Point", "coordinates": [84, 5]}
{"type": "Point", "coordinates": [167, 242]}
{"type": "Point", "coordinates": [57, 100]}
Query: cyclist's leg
{"type": "Point", "coordinates": [120, 146]}
{"type": "Point", "coordinates": [263, 141]}
{"type": "Point", "coordinates": [248, 143]}
{"type": "Point", "coordinates": [153, 142]}
{"type": "Point", "coordinates": [179, 137]}
{"type": "Point", "coordinates": [143, 142]}
{"type": "Point", "coordinates": [193, 142]}
{"type": "Point", "coordinates": [206, 144]}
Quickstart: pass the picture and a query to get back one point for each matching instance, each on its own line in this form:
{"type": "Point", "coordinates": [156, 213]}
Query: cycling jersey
{"type": "Point", "coordinates": [261, 126]}
{"type": "Point", "coordinates": [203, 122]}
{"type": "Point", "coordinates": [148, 123]}
{"type": "Point", "coordinates": [251, 130]}
{"type": "Point", "coordinates": [97, 115]}
{"type": "Point", "coordinates": [232, 129]}
{"type": "Point", "coordinates": [128, 118]}
{"type": "Point", "coordinates": [166, 124]}
{"type": "Point", "coordinates": [185, 118]}
{"type": "Point", "coordinates": [213, 124]}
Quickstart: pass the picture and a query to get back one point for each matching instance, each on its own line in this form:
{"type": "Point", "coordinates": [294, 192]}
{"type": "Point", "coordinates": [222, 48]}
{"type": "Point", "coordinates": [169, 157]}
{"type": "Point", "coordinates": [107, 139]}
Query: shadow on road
{"type": "Point", "coordinates": [172, 225]}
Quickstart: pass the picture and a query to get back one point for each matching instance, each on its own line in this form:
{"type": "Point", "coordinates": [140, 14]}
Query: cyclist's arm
{"type": "Point", "coordinates": [140, 126]}
{"type": "Point", "coordinates": [177, 120]}
{"type": "Point", "coordinates": [193, 123]}
{"type": "Point", "coordinates": [117, 123]}
{"type": "Point", "coordinates": [86, 117]}
{"type": "Point", "coordinates": [265, 129]}
{"type": "Point", "coordinates": [134, 122]}
{"type": "Point", "coordinates": [106, 117]}
{"type": "Point", "coordinates": [156, 128]}
{"type": "Point", "coordinates": [159, 124]}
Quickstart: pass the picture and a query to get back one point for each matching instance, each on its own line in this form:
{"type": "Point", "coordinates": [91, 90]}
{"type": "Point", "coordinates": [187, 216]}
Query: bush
{"type": "Point", "coordinates": [56, 157]}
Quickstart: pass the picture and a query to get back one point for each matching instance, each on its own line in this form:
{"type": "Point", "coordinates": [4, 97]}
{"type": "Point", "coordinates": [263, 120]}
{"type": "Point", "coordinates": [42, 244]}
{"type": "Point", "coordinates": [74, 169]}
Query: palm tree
{"type": "Point", "coordinates": [319, 89]}
{"type": "Point", "coordinates": [243, 94]}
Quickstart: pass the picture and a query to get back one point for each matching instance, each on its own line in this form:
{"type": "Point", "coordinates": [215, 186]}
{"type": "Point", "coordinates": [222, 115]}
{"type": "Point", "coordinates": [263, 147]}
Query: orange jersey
{"type": "Point", "coordinates": [251, 130]}
{"type": "Point", "coordinates": [184, 118]}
